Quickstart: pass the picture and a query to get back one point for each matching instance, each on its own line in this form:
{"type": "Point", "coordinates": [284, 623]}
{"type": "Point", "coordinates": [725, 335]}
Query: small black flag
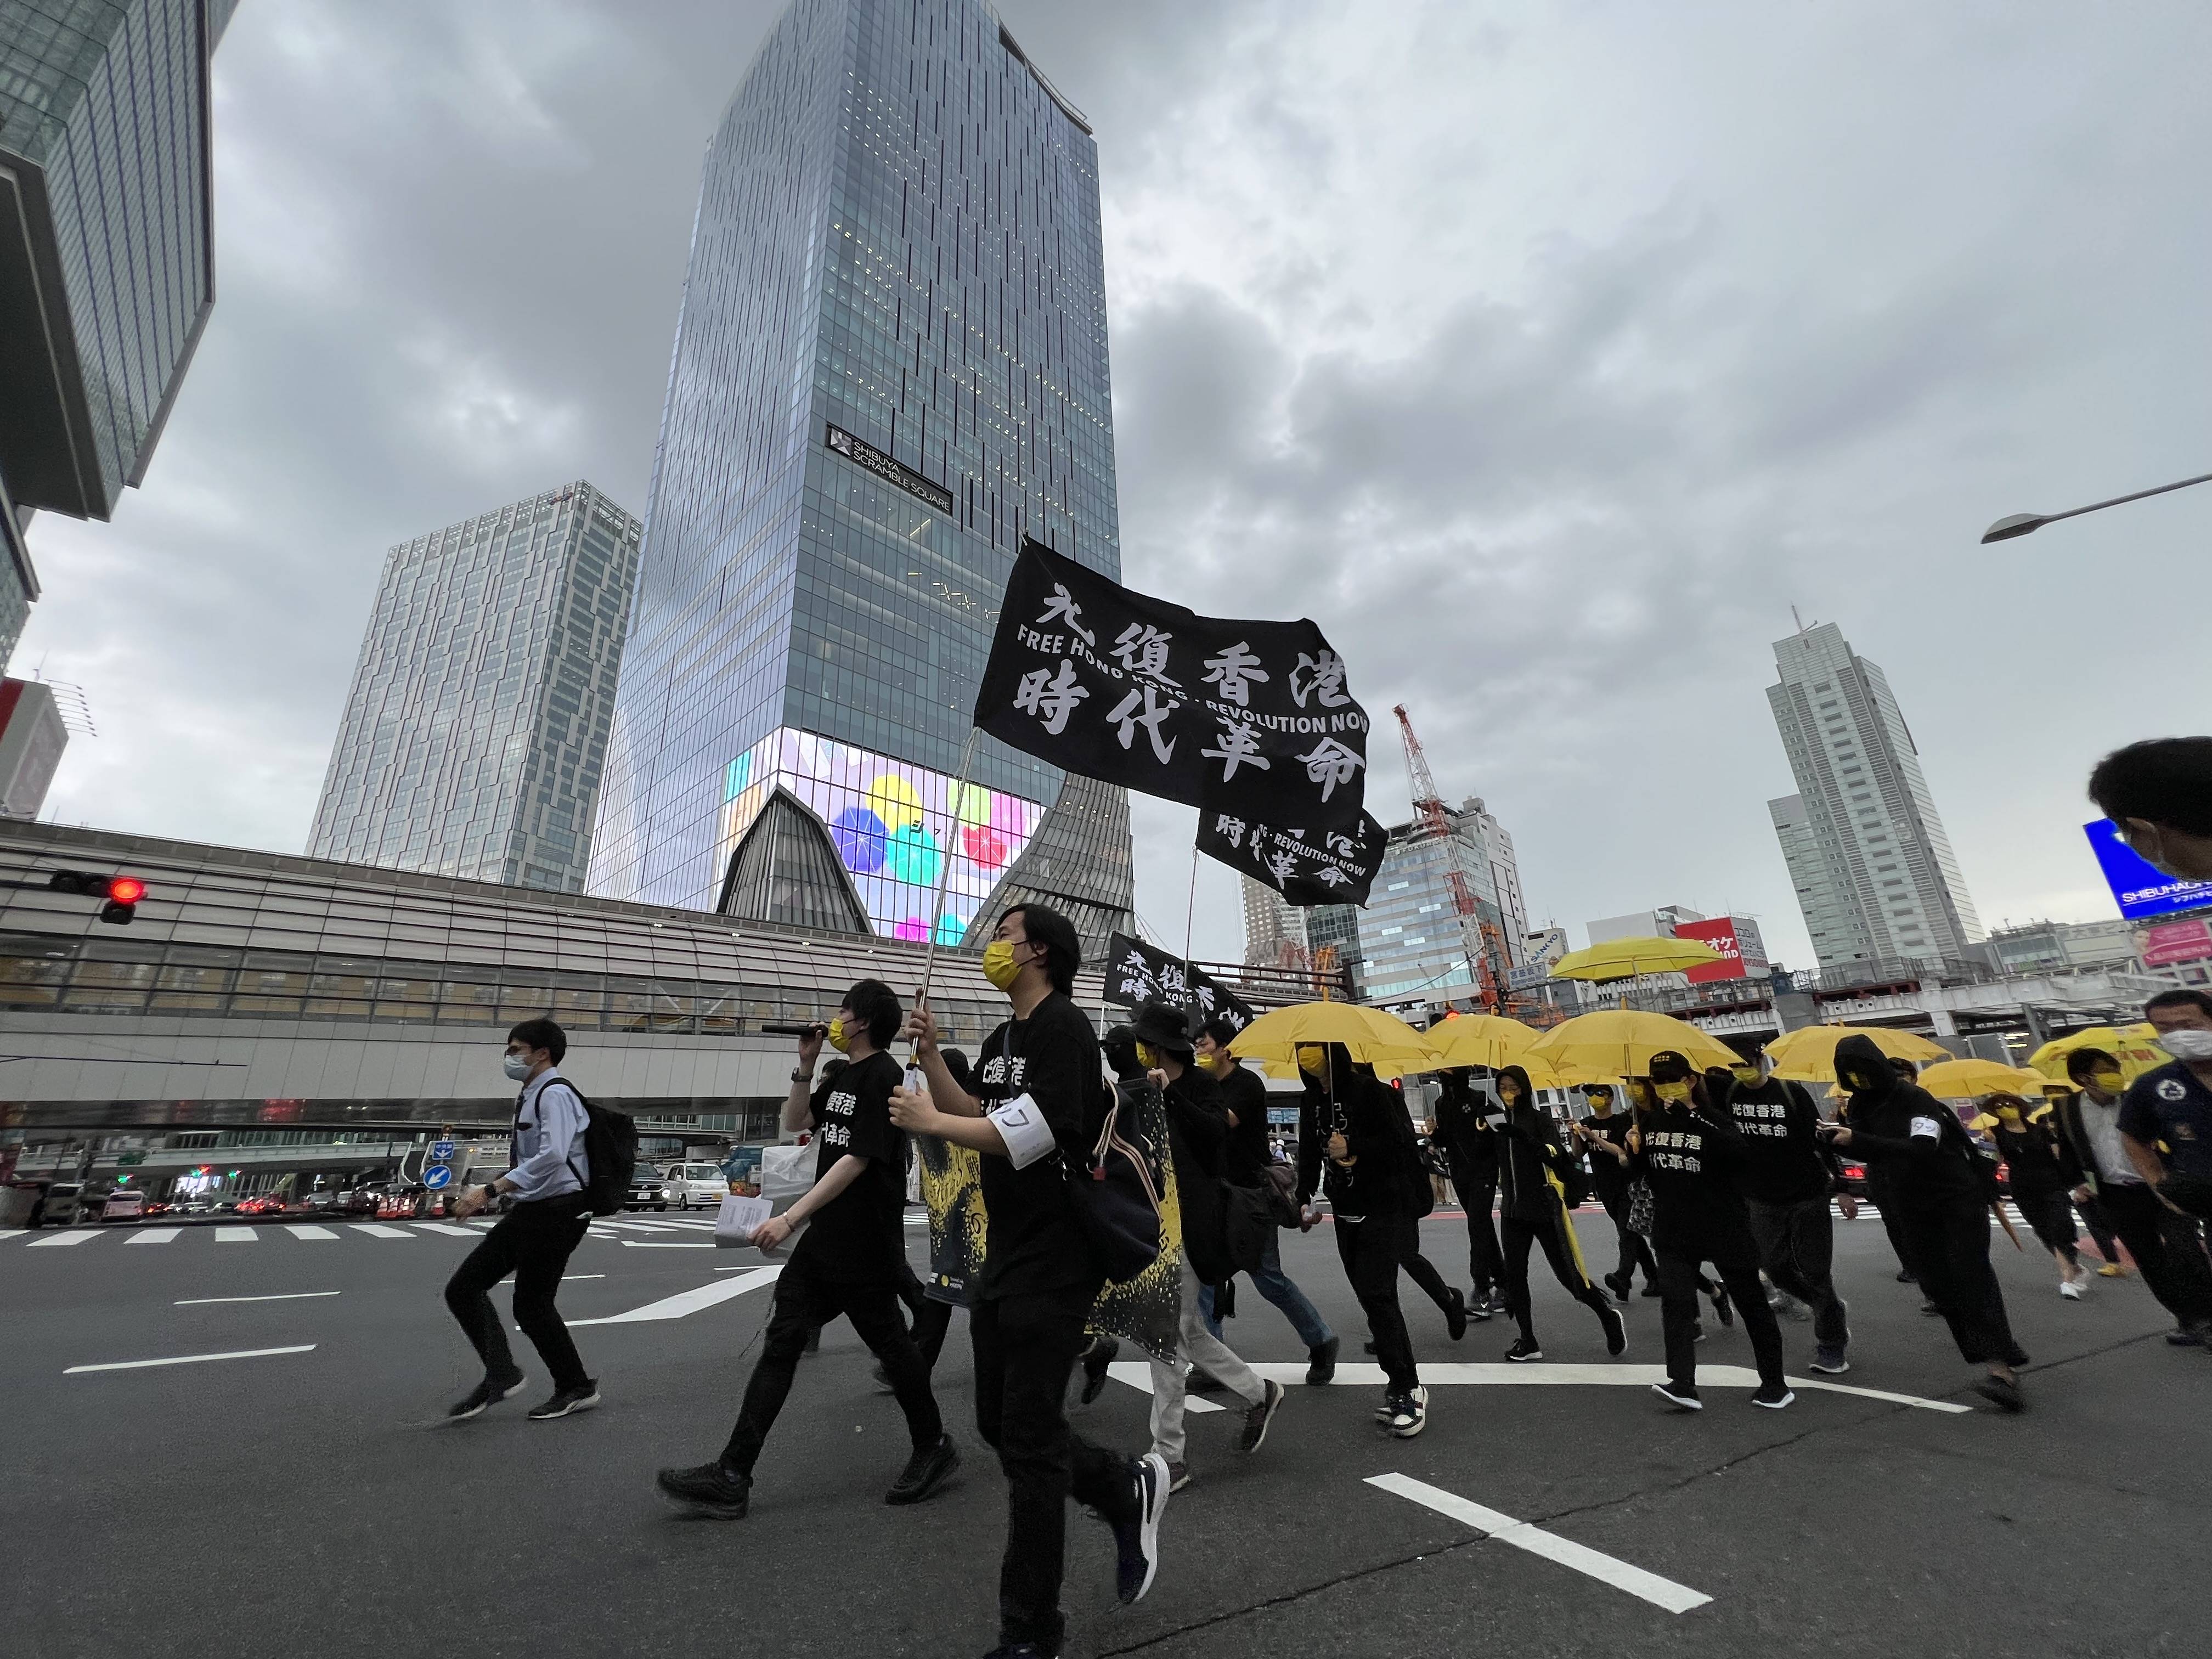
{"type": "Point", "coordinates": [1306, 866]}
{"type": "Point", "coordinates": [1137, 973]}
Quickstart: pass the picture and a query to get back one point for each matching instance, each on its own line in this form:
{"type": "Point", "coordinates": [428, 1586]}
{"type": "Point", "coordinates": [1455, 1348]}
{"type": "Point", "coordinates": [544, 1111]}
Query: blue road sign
{"type": "Point", "coordinates": [437, 1176]}
{"type": "Point", "coordinates": [441, 1150]}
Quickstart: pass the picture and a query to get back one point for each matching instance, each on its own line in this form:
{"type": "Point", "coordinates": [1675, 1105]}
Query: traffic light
{"type": "Point", "coordinates": [121, 893]}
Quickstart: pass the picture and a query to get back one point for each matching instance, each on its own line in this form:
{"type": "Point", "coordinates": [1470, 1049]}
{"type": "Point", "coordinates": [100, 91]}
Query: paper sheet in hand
{"type": "Point", "coordinates": [738, 1216]}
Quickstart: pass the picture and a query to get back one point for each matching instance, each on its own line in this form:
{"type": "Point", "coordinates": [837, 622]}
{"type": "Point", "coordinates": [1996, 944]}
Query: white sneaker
{"type": "Point", "coordinates": [2071, 1289]}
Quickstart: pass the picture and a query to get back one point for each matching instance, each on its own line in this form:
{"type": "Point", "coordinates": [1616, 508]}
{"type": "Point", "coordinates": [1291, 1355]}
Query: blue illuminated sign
{"type": "Point", "coordinates": [2139, 889]}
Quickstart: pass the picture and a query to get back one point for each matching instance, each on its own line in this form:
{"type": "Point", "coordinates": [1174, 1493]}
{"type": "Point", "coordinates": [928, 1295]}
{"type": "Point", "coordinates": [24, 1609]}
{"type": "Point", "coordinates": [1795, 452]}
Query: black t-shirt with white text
{"type": "Point", "coordinates": [1032, 1240]}
{"type": "Point", "coordinates": [858, 1235]}
{"type": "Point", "coordinates": [1244, 1094]}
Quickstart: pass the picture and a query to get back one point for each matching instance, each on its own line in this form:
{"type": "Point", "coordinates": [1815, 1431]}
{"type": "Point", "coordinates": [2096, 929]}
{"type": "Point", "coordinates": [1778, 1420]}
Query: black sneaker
{"type": "Point", "coordinates": [1455, 1315]}
{"type": "Point", "coordinates": [1321, 1363]}
{"type": "Point", "coordinates": [1478, 1306]}
{"type": "Point", "coordinates": [1616, 1329]}
{"type": "Point", "coordinates": [929, 1469]}
{"type": "Point", "coordinates": [1409, 1413]}
{"type": "Point", "coordinates": [1137, 1539]}
{"type": "Point", "coordinates": [1096, 1358]}
{"type": "Point", "coordinates": [1723, 1306]}
{"type": "Point", "coordinates": [1905, 1277]}
{"type": "Point", "coordinates": [1682, 1397]}
{"type": "Point", "coordinates": [1774, 1399]}
{"type": "Point", "coordinates": [486, 1394]}
{"type": "Point", "coordinates": [2002, 1391]}
{"type": "Point", "coordinates": [2182, 1336]}
{"type": "Point", "coordinates": [711, 1489]}
{"type": "Point", "coordinates": [1257, 1417]}
{"type": "Point", "coordinates": [1018, 1651]}
{"type": "Point", "coordinates": [1929, 1310]}
{"type": "Point", "coordinates": [1618, 1284]}
{"type": "Point", "coordinates": [1523, 1349]}
{"type": "Point", "coordinates": [564, 1401]}
{"type": "Point", "coordinates": [1649, 1289]}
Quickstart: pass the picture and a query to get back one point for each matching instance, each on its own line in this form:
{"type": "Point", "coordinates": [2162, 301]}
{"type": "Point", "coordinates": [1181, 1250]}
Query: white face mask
{"type": "Point", "coordinates": [518, 1066]}
{"type": "Point", "coordinates": [2188, 1043]}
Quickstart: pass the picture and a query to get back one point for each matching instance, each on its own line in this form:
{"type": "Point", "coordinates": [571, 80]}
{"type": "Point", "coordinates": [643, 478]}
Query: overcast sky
{"type": "Point", "coordinates": [1546, 354]}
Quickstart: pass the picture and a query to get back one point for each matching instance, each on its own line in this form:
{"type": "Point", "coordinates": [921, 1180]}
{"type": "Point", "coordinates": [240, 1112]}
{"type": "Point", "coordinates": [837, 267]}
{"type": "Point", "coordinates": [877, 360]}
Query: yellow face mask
{"type": "Point", "coordinates": [840, 1039]}
{"type": "Point", "coordinates": [1210, 1064]}
{"type": "Point", "coordinates": [999, 964]}
{"type": "Point", "coordinates": [1748, 1075]}
{"type": "Point", "coordinates": [2009, 1114]}
{"type": "Point", "coordinates": [1676, 1092]}
{"type": "Point", "coordinates": [2111, 1082]}
{"type": "Point", "coordinates": [1509, 1092]}
{"type": "Point", "coordinates": [1147, 1057]}
{"type": "Point", "coordinates": [1312, 1060]}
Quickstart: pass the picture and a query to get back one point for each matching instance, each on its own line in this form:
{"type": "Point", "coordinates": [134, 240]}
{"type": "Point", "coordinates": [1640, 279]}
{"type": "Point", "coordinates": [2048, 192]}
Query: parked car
{"type": "Point", "coordinates": [363, 1200]}
{"type": "Point", "coordinates": [123, 1204]}
{"type": "Point", "coordinates": [700, 1184]}
{"type": "Point", "coordinates": [157, 1207]}
{"type": "Point", "coordinates": [61, 1205]}
{"type": "Point", "coordinates": [1854, 1178]}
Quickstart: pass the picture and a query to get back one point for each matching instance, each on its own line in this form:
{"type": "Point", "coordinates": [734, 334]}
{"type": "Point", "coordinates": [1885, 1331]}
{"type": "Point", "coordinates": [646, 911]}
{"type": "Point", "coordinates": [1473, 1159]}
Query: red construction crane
{"type": "Point", "coordinates": [1475, 934]}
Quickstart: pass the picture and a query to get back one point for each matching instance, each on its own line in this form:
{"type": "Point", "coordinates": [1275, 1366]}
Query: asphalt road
{"type": "Point", "coordinates": [307, 1499]}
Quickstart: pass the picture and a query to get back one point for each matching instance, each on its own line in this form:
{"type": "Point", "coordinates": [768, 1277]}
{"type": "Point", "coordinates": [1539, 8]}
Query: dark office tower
{"type": "Point", "coordinates": [890, 365]}
{"type": "Point", "coordinates": [107, 254]}
{"type": "Point", "coordinates": [476, 731]}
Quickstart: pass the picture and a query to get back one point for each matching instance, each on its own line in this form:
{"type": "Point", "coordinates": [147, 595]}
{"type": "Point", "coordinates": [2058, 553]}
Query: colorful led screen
{"type": "Point", "coordinates": [893, 824]}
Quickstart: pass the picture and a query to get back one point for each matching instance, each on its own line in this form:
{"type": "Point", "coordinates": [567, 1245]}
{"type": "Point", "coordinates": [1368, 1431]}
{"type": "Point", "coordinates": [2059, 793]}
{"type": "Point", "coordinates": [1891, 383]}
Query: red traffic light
{"type": "Point", "coordinates": [126, 889]}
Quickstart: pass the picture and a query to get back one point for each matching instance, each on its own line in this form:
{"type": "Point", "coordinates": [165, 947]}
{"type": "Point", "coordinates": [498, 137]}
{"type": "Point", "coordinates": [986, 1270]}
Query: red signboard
{"type": "Point", "coordinates": [2176, 941]}
{"type": "Point", "coordinates": [1719, 933]}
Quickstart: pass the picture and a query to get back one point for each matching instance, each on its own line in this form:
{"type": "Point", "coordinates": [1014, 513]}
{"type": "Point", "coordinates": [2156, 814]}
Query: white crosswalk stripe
{"type": "Point", "coordinates": [77, 1235]}
{"type": "Point", "coordinates": [236, 1236]}
{"type": "Point", "coordinates": [301, 1230]}
{"type": "Point", "coordinates": [377, 1230]}
{"type": "Point", "coordinates": [445, 1227]}
{"type": "Point", "coordinates": [154, 1236]}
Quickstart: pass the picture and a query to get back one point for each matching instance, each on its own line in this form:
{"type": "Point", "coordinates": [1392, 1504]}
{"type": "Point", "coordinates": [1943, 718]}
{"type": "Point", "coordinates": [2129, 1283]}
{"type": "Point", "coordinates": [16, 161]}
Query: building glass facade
{"type": "Point", "coordinates": [1411, 932]}
{"type": "Point", "coordinates": [106, 260]}
{"type": "Point", "coordinates": [1868, 855]}
{"type": "Point", "coordinates": [475, 735]}
{"type": "Point", "coordinates": [890, 365]}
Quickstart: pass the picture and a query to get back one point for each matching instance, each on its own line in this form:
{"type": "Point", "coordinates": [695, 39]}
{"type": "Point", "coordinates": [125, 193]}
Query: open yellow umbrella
{"type": "Point", "coordinates": [1969, 1080]}
{"type": "Point", "coordinates": [1382, 1041]}
{"type": "Point", "coordinates": [1482, 1039]}
{"type": "Point", "coordinates": [1625, 958]}
{"type": "Point", "coordinates": [2135, 1047]}
{"type": "Point", "coordinates": [1619, 1042]}
{"type": "Point", "coordinates": [1808, 1054]}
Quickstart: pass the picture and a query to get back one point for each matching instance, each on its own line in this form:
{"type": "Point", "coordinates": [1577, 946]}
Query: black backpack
{"type": "Point", "coordinates": [610, 1149]}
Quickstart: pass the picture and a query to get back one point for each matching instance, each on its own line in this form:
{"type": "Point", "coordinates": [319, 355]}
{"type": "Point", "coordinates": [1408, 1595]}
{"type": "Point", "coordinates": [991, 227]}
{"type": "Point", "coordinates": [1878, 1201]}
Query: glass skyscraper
{"type": "Point", "coordinates": [475, 735]}
{"type": "Point", "coordinates": [1870, 860]}
{"type": "Point", "coordinates": [890, 367]}
{"type": "Point", "coordinates": [1412, 944]}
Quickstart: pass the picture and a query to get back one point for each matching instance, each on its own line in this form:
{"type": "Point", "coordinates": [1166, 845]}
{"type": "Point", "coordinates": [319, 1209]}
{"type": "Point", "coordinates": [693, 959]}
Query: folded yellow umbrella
{"type": "Point", "coordinates": [1969, 1080]}
{"type": "Point", "coordinates": [1808, 1054]}
{"type": "Point", "coordinates": [1615, 1043]}
{"type": "Point", "coordinates": [1625, 958]}
{"type": "Point", "coordinates": [1382, 1041]}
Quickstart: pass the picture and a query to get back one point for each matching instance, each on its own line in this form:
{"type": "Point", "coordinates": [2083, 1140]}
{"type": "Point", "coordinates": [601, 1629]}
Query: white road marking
{"type": "Point", "coordinates": [186, 1359]}
{"type": "Point", "coordinates": [664, 1245]}
{"type": "Point", "coordinates": [287, 1296]}
{"type": "Point", "coordinates": [376, 1229]}
{"type": "Point", "coordinates": [1138, 1374]}
{"type": "Point", "coordinates": [301, 1229]}
{"type": "Point", "coordinates": [689, 1302]}
{"type": "Point", "coordinates": [446, 1227]}
{"type": "Point", "coordinates": [570, 1279]}
{"type": "Point", "coordinates": [642, 1226]}
{"type": "Point", "coordinates": [75, 1236]}
{"type": "Point", "coordinates": [10, 1232]}
{"type": "Point", "coordinates": [236, 1236]}
{"type": "Point", "coordinates": [154, 1236]}
{"type": "Point", "coordinates": [1541, 1374]}
{"type": "Point", "coordinates": [1660, 1592]}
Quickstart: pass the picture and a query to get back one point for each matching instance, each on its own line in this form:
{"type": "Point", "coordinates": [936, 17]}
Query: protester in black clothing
{"type": "Point", "coordinates": [1787, 1177]}
{"type": "Point", "coordinates": [2166, 1243]}
{"type": "Point", "coordinates": [1533, 1169]}
{"type": "Point", "coordinates": [535, 1238]}
{"type": "Point", "coordinates": [848, 1259]}
{"type": "Point", "coordinates": [1609, 1180]}
{"type": "Point", "coordinates": [1689, 1152]}
{"type": "Point", "coordinates": [1244, 1103]}
{"type": "Point", "coordinates": [2040, 1178]}
{"type": "Point", "coordinates": [1421, 1199]}
{"type": "Point", "coordinates": [1943, 1197]}
{"type": "Point", "coordinates": [1460, 1127]}
{"type": "Point", "coordinates": [1035, 1114]}
{"type": "Point", "coordinates": [1359, 1129]}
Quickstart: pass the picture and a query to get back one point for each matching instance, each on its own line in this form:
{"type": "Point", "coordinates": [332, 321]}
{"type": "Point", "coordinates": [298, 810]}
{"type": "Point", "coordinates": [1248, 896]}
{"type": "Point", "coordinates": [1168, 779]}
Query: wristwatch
{"type": "Point", "coordinates": [802, 1076]}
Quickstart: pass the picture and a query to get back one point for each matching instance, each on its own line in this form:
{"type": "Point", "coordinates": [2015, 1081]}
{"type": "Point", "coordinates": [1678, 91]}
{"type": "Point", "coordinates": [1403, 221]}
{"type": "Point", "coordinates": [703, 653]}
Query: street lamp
{"type": "Point", "coordinates": [2020, 524]}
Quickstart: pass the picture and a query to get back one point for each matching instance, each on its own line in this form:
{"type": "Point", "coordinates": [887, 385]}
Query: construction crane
{"type": "Point", "coordinates": [1478, 937]}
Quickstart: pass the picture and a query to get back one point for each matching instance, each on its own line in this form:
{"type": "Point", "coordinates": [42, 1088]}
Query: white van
{"type": "Point", "coordinates": [695, 1183]}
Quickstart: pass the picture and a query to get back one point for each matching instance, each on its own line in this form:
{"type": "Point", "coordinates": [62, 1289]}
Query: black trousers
{"type": "Point", "coordinates": [1949, 1246]}
{"type": "Point", "coordinates": [1372, 1249]}
{"type": "Point", "coordinates": [533, 1241]}
{"type": "Point", "coordinates": [804, 1302]}
{"type": "Point", "coordinates": [1886, 1205]}
{"type": "Point", "coordinates": [1423, 1272]}
{"type": "Point", "coordinates": [1514, 1236]}
{"type": "Point", "coordinates": [1635, 1248]}
{"type": "Point", "coordinates": [1735, 1257]}
{"type": "Point", "coordinates": [2100, 1227]}
{"type": "Point", "coordinates": [1797, 1244]}
{"type": "Point", "coordinates": [2052, 1216]}
{"type": "Point", "coordinates": [1025, 1348]}
{"type": "Point", "coordinates": [2168, 1246]}
{"type": "Point", "coordinates": [1486, 1267]}
{"type": "Point", "coordinates": [928, 1319]}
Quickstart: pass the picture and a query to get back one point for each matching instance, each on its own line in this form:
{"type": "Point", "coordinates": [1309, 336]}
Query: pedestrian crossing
{"type": "Point", "coordinates": [623, 1228]}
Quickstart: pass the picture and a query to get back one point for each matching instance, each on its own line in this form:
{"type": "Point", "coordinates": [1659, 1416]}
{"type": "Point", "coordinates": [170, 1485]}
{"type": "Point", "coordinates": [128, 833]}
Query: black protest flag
{"type": "Point", "coordinates": [1306, 866]}
{"type": "Point", "coordinates": [1137, 973]}
{"type": "Point", "coordinates": [1251, 718]}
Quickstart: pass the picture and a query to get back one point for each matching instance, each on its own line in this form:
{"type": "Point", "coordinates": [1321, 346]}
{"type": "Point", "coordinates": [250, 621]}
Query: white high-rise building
{"type": "Point", "coordinates": [1872, 864]}
{"type": "Point", "coordinates": [476, 731]}
{"type": "Point", "coordinates": [1274, 931]}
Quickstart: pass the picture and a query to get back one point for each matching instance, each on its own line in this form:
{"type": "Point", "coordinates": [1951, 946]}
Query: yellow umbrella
{"type": "Point", "coordinates": [1382, 1041]}
{"type": "Point", "coordinates": [1482, 1039]}
{"type": "Point", "coordinates": [2135, 1047]}
{"type": "Point", "coordinates": [1969, 1080]}
{"type": "Point", "coordinates": [1625, 958]}
{"type": "Point", "coordinates": [1808, 1054]}
{"type": "Point", "coordinates": [1620, 1042]}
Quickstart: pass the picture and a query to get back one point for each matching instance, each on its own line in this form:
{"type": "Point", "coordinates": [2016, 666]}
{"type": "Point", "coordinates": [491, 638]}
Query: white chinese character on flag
{"type": "Point", "coordinates": [1322, 677]}
{"type": "Point", "coordinates": [1230, 830]}
{"type": "Point", "coordinates": [1063, 604]}
{"type": "Point", "coordinates": [1240, 746]}
{"type": "Point", "coordinates": [1049, 699]}
{"type": "Point", "coordinates": [1143, 649]}
{"type": "Point", "coordinates": [1128, 714]}
{"type": "Point", "coordinates": [1331, 763]}
{"type": "Point", "coordinates": [1232, 669]}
